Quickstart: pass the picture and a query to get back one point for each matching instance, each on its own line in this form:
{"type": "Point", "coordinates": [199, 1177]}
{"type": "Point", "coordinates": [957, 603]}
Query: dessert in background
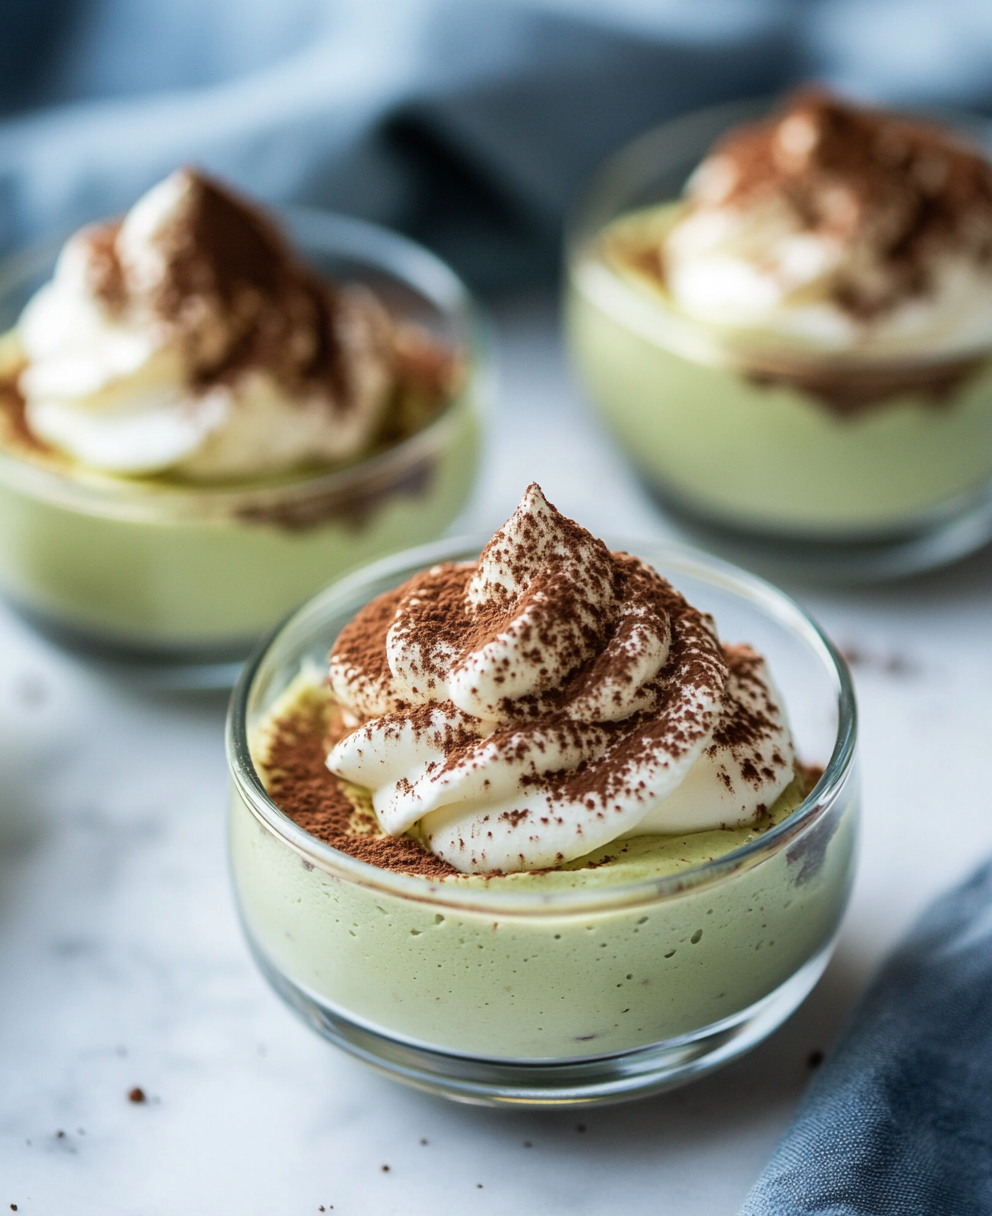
{"type": "Point", "coordinates": [188, 358]}
{"type": "Point", "coordinates": [548, 720]}
{"type": "Point", "coordinates": [800, 345]}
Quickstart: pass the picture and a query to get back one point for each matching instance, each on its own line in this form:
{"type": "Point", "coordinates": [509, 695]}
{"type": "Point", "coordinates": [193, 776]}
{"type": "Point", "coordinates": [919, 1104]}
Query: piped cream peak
{"type": "Point", "coordinates": [524, 709]}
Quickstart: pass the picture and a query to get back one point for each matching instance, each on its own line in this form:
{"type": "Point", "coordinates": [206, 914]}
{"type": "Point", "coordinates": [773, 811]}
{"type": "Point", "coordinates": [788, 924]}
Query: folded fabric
{"type": "Point", "coordinates": [898, 1121]}
{"type": "Point", "coordinates": [472, 124]}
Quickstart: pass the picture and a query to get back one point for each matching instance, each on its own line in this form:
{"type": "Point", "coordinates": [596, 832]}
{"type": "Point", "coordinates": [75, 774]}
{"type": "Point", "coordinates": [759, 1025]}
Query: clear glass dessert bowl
{"type": "Point", "coordinates": [513, 990]}
{"type": "Point", "coordinates": [176, 581]}
{"type": "Point", "coordinates": [835, 464]}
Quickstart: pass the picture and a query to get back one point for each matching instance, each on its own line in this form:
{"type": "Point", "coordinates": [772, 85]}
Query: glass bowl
{"type": "Point", "coordinates": [498, 995]}
{"type": "Point", "coordinates": [789, 460]}
{"type": "Point", "coordinates": [173, 583]}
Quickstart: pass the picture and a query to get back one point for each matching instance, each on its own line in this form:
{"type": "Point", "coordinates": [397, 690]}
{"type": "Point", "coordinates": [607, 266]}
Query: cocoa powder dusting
{"type": "Point", "coordinates": [303, 788]}
{"type": "Point", "coordinates": [849, 391]}
{"type": "Point", "coordinates": [232, 287]}
{"type": "Point", "coordinates": [908, 190]}
{"type": "Point", "coordinates": [448, 627]}
{"type": "Point", "coordinates": [691, 691]}
{"type": "Point", "coordinates": [238, 300]}
{"type": "Point", "coordinates": [748, 727]}
{"type": "Point", "coordinates": [899, 192]}
{"type": "Point", "coordinates": [104, 275]}
{"type": "Point", "coordinates": [361, 644]}
{"type": "Point", "coordinates": [442, 613]}
{"type": "Point", "coordinates": [14, 430]}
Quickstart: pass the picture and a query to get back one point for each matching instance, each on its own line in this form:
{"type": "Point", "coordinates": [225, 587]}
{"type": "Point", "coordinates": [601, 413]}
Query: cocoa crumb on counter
{"type": "Point", "coordinates": [891, 663]}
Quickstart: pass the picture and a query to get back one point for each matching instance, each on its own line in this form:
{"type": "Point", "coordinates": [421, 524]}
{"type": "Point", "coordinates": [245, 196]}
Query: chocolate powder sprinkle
{"type": "Point", "coordinates": [233, 288]}
{"type": "Point", "coordinates": [303, 788]}
{"type": "Point", "coordinates": [908, 189]}
{"type": "Point", "coordinates": [680, 689]}
{"type": "Point", "coordinates": [361, 644]}
{"type": "Point", "coordinates": [239, 301]}
{"type": "Point", "coordinates": [435, 607]}
{"type": "Point", "coordinates": [900, 192]}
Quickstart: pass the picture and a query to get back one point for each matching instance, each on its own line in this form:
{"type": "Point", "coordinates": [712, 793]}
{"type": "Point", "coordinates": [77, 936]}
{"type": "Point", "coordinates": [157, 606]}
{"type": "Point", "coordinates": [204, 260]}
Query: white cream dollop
{"type": "Point", "coordinates": [789, 220]}
{"type": "Point", "coordinates": [122, 345]}
{"type": "Point", "coordinates": [525, 710]}
{"type": "Point", "coordinates": [756, 269]}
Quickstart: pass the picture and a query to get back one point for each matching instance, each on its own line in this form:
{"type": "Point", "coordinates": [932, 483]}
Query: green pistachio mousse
{"type": "Point", "coordinates": [801, 345]}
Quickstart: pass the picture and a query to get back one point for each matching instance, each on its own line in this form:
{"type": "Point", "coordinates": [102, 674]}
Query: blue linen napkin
{"type": "Point", "coordinates": [472, 124]}
{"type": "Point", "coordinates": [898, 1122]}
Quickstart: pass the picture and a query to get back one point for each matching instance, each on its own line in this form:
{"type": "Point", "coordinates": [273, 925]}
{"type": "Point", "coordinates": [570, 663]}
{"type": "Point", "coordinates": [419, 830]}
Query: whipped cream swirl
{"type": "Point", "coordinates": [523, 710]}
{"type": "Point", "coordinates": [842, 227]}
{"type": "Point", "coordinates": [187, 339]}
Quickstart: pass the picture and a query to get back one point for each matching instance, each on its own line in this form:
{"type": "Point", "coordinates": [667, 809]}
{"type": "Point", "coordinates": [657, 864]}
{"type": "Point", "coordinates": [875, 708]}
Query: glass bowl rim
{"type": "Point", "coordinates": [311, 228]}
{"type": "Point", "coordinates": [585, 220]}
{"type": "Point", "coordinates": [481, 899]}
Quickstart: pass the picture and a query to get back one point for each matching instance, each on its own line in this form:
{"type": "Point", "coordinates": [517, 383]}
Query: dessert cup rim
{"type": "Point", "coordinates": [313, 852]}
{"type": "Point", "coordinates": [378, 247]}
{"type": "Point", "coordinates": [602, 202]}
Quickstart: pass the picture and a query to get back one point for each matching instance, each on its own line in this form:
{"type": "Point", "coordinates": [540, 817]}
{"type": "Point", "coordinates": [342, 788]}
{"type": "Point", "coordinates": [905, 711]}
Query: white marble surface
{"type": "Point", "coordinates": [121, 963]}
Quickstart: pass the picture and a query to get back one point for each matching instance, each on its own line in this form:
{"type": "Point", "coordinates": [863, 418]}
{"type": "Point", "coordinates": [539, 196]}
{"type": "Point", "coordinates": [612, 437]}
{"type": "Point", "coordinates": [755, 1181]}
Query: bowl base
{"type": "Point", "coordinates": [947, 537]}
{"type": "Point", "coordinates": [600, 1080]}
{"type": "Point", "coordinates": [166, 668]}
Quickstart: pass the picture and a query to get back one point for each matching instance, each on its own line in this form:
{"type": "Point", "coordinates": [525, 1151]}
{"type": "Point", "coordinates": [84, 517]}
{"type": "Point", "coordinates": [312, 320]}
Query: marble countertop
{"type": "Point", "coordinates": [122, 965]}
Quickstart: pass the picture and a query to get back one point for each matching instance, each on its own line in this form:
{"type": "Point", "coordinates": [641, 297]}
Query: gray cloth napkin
{"type": "Point", "coordinates": [898, 1122]}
